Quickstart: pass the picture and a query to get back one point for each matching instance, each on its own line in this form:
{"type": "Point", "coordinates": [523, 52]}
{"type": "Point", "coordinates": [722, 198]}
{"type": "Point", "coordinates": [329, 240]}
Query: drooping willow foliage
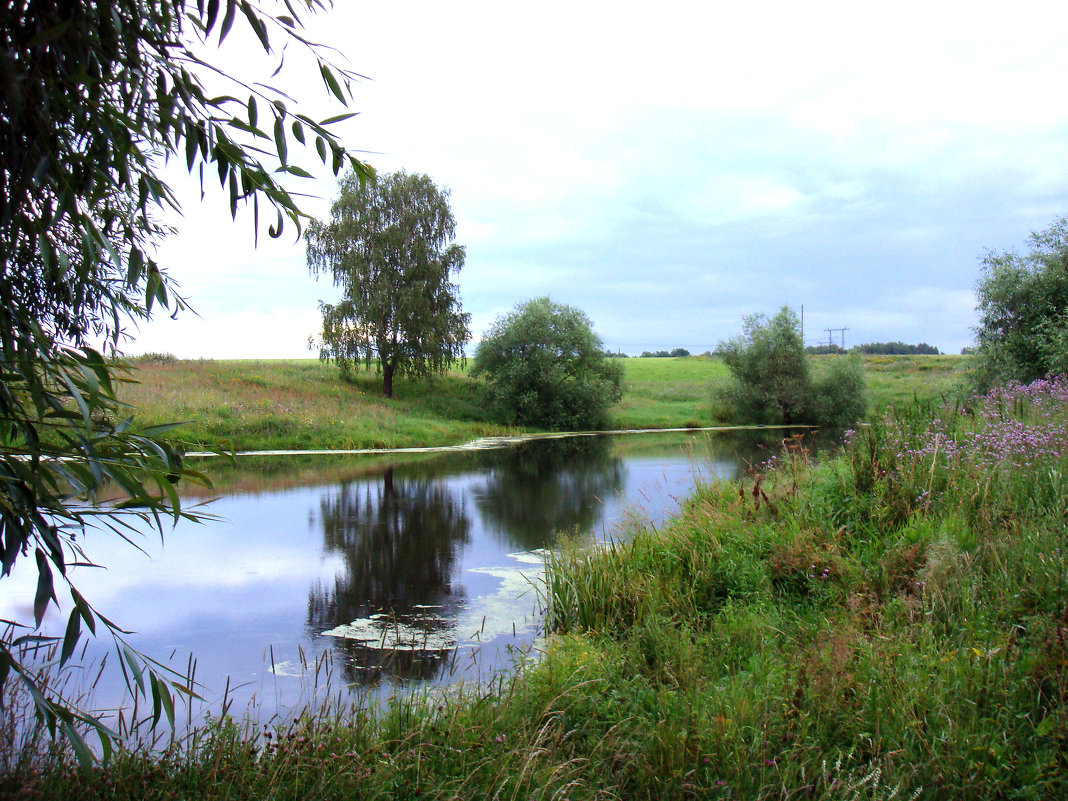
{"type": "Point", "coordinates": [94, 97]}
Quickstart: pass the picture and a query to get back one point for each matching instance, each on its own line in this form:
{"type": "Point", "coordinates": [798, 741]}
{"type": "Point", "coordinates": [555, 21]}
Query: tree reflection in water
{"type": "Point", "coordinates": [396, 608]}
{"type": "Point", "coordinates": [536, 490]}
{"type": "Point", "coordinates": [395, 605]}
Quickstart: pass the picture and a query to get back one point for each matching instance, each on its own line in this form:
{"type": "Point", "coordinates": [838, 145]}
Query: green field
{"type": "Point", "coordinates": [303, 403]}
{"type": "Point", "coordinates": [897, 380]}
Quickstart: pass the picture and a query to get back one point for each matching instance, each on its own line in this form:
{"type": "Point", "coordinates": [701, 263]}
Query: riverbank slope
{"type": "Point", "coordinates": [305, 404]}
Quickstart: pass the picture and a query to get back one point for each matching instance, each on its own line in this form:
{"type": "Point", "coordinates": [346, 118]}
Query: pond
{"type": "Point", "coordinates": [333, 574]}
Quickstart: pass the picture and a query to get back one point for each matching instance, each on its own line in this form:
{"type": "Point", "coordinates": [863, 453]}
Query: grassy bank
{"type": "Point", "coordinates": [900, 380]}
{"type": "Point", "coordinates": [889, 623]}
{"type": "Point", "coordinates": [302, 403]}
{"type": "Point", "coordinates": [895, 619]}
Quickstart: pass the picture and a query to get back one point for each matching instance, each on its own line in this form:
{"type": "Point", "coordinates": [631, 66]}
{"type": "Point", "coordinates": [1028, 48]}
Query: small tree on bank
{"type": "Point", "coordinates": [773, 385]}
{"type": "Point", "coordinates": [545, 367]}
{"type": "Point", "coordinates": [388, 245]}
{"type": "Point", "coordinates": [1023, 311]}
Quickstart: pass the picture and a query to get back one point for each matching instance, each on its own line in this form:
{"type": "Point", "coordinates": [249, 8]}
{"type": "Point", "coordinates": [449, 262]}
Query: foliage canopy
{"type": "Point", "coordinates": [1023, 311]}
{"type": "Point", "coordinates": [769, 368]}
{"type": "Point", "coordinates": [773, 383]}
{"type": "Point", "coordinates": [545, 367]}
{"type": "Point", "coordinates": [96, 96]}
{"type": "Point", "coordinates": [389, 246]}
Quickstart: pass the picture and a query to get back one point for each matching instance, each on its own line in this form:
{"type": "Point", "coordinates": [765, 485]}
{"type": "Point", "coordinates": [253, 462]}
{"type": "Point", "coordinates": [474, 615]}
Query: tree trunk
{"type": "Point", "coordinates": [387, 378]}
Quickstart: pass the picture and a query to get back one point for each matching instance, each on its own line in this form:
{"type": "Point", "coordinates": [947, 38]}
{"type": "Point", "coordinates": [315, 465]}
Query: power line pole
{"type": "Point", "coordinates": [831, 331]}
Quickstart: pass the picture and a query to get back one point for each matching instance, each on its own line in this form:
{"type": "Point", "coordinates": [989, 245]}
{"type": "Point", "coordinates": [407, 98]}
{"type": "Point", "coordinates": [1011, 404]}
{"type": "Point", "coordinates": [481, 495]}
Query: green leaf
{"type": "Point", "coordinates": [339, 118]}
{"type": "Point", "coordinates": [275, 231]}
{"type": "Point", "coordinates": [77, 742]}
{"type": "Point", "coordinates": [105, 734]}
{"type": "Point", "coordinates": [241, 125]}
{"type": "Point", "coordinates": [157, 703]}
{"type": "Point", "coordinates": [45, 589]}
{"type": "Point", "coordinates": [228, 19]}
{"type": "Point", "coordinates": [168, 703]}
{"type": "Point", "coordinates": [135, 267]}
{"type": "Point", "coordinates": [280, 139]}
{"type": "Point", "coordinates": [46, 711]}
{"type": "Point", "coordinates": [213, 13]}
{"type": "Point", "coordinates": [132, 662]}
{"type": "Point", "coordinates": [83, 609]}
{"type": "Point", "coordinates": [96, 362]}
{"type": "Point", "coordinates": [48, 255]}
{"type": "Point", "coordinates": [257, 24]}
{"type": "Point", "coordinates": [298, 131]}
{"type": "Point", "coordinates": [190, 149]}
{"type": "Point", "coordinates": [70, 638]}
{"type": "Point", "coordinates": [331, 82]}
{"type": "Point", "coordinates": [104, 241]}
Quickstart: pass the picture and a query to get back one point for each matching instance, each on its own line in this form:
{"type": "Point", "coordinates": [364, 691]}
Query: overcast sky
{"type": "Point", "coordinates": [671, 170]}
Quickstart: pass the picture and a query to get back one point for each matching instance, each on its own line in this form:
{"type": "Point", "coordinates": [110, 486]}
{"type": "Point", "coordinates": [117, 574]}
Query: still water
{"type": "Point", "coordinates": [325, 573]}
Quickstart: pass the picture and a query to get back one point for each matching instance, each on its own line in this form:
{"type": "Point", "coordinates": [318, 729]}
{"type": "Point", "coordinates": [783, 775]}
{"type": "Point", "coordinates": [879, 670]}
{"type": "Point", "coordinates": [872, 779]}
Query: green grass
{"type": "Point", "coordinates": [900, 380]}
{"type": "Point", "coordinates": [303, 403]}
{"type": "Point", "coordinates": [669, 392]}
{"type": "Point", "coordinates": [891, 622]}
{"type": "Point", "coordinates": [251, 405]}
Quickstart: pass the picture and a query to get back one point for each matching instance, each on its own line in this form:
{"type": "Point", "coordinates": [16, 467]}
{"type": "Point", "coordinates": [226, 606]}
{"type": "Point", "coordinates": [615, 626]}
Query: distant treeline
{"type": "Point", "coordinates": [879, 349]}
{"type": "Point", "coordinates": [898, 348]}
{"type": "Point", "coordinates": [874, 348]}
{"type": "Point", "coordinates": [665, 354]}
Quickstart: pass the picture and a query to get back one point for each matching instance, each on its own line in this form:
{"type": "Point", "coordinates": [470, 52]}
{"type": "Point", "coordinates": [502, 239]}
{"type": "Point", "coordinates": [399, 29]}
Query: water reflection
{"type": "Point", "coordinates": [421, 572]}
{"type": "Point", "coordinates": [536, 490]}
{"type": "Point", "coordinates": [394, 606]}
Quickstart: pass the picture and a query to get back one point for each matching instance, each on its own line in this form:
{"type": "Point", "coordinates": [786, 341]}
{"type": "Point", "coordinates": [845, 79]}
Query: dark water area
{"type": "Point", "coordinates": [328, 576]}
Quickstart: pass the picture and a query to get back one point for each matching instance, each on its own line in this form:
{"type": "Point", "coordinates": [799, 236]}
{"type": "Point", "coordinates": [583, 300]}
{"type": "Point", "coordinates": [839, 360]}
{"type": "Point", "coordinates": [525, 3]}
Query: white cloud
{"type": "Point", "coordinates": [700, 160]}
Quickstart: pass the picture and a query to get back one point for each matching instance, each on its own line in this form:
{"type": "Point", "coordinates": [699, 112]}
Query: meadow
{"type": "Point", "coordinates": [306, 404]}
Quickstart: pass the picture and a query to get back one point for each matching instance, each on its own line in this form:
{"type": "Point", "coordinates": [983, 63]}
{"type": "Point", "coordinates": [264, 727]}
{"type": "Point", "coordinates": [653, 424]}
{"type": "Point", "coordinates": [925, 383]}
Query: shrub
{"type": "Point", "coordinates": [1023, 326]}
{"type": "Point", "coordinates": [771, 379]}
{"type": "Point", "coordinates": [772, 384]}
{"type": "Point", "coordinates": [841, 397]}
{"type": "Point", "coordinates": [545, 367]}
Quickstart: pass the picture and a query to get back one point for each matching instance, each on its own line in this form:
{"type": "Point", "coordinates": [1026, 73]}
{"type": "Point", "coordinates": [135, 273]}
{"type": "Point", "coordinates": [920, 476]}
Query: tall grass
{"type": "Point", "coordinates": [905, 603]}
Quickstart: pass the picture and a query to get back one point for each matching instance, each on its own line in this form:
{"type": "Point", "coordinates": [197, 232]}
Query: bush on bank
{"type": "Point", "coordinates": [771, 381]}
